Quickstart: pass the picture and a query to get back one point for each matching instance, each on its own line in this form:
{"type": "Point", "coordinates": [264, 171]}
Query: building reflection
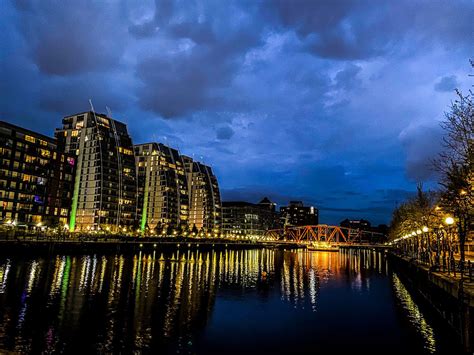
{"type": "Point", "coordinates": [155, 299]}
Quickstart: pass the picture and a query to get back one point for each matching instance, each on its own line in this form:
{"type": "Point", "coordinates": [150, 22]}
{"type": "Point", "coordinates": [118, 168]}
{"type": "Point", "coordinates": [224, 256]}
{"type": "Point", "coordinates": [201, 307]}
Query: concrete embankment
{"type": "Point", "coordinates": [444, 293]}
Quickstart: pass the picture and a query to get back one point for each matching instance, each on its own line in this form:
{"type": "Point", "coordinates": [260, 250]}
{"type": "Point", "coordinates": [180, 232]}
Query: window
{"type": "Point", "coordinates": [30, 139]}
{"type": "Point", "coordinates": [125, 151]}
{"type": "Point", "coordinates": [45, 153]}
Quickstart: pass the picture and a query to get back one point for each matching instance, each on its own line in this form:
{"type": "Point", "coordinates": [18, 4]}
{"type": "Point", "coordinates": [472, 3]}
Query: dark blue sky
{"type": "Point", "coordinates": [336, 103]}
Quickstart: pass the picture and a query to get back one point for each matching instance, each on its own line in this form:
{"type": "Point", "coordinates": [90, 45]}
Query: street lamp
{"type": "Point", "coordinates": [449, 220]}
{"type": "Point", "coordinates": [425, 229]}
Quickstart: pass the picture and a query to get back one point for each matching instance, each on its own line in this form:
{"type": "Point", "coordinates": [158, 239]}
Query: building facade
{"type": "Point", "coordinates": [105, 186]}
{"type": "Point", "coordinates": [245, 219]}
{"type": "Point", "coordinates": [296, 214]}
{"type": "Point", "coordinates": [163, 196]}
{"type": "Point", "coordinates": [356, 224]}
{"type": "Point", "coordinates": [35, 178]}
{"type": "Point", "coordinates": [204, 197]}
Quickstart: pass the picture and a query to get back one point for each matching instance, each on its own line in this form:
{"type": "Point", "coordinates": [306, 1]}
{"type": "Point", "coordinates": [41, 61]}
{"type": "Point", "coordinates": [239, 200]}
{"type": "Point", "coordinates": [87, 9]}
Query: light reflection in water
{"type": "Point", "coordinates": [4, 270]}
{"type": "Point", "coordinates": [414, 315]}
{"type": "Point", "coordinates": [161, 300]}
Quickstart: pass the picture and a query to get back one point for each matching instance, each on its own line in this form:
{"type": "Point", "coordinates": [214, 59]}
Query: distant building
{"type": "Point", "coordinates": [356, 224]}
{"type": "Point", "coordinates": [266, 203]}
{"type": "Point", "coordinates": [374, 234]}
{"type": "Point", "coordinates": [105, 188]}
{"type": "Point", "coordinates": [204, 196]}
{"type": "Point", "coordinates": [35, 178]}
{"type": "Point", "coordinates": [162, 186]}
{"type": "Point", "coordinates": [245, 219]}
{"type": "Point", "coordinates": [296, 214]}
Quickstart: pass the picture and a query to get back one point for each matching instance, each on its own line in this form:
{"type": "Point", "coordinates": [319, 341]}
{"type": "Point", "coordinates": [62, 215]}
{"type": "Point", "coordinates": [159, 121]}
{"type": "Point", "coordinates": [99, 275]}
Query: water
{"type": "Point", "coordinates": [229, 301]}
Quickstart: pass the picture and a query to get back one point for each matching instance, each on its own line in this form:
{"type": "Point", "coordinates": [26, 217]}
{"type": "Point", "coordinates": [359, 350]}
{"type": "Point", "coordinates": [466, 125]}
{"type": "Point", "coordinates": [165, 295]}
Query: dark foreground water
{"type": "Point", "coordinates": [230, 301]}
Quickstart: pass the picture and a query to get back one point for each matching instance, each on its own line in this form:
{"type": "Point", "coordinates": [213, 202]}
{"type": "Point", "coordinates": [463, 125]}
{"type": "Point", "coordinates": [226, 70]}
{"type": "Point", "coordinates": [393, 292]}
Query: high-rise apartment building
{"type": "Point", "coordinates": [35, 178]}
{"type": "Point", "coordinates": [105, 186]}
{"type": "Point", "coordinates": [204, 196]}
{"type": "Point", "coordinates": [296, 214]}
{"type": "Point", "coordinates": [162, 186]}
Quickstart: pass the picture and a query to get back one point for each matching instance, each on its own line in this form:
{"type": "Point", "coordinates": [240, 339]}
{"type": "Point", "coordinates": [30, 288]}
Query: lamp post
{"type": "Point", "coordinates": [427, 246]}
{"type": "Point", "coordinates": [451, 263]}
{"type": "Point", "coordinates": [437, 232]}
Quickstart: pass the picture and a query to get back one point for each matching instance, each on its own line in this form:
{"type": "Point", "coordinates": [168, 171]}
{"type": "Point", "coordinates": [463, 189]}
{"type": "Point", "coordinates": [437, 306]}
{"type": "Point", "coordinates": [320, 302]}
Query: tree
{"type": "Point", "coordinates": [456, 165]}
{"type": "Point", "coordinates": [414, 214]}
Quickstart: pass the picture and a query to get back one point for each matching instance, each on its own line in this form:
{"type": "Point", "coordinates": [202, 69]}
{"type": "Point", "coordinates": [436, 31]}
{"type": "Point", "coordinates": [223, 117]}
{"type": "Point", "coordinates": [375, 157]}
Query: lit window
{"type": "Point", "coordinates": [30, 139]}
{"type": "Point", "coordinates": [45, 153]}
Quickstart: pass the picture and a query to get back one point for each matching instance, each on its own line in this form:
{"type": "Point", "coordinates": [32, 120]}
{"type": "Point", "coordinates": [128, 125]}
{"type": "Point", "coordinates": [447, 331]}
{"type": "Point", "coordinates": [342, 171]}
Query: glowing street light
{"type": "Point", "coordinates": [449, 221]}
{"type": "Point", "coordinates": [425, 229]}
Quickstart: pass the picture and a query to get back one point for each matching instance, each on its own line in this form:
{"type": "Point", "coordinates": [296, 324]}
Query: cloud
{"type": "Point", "coordinates": [72, 95]}
{"type": "Point", "coordinates": [224, 133]}
{"type": "Point", "coordinates": [347, 78]}
{"type": "Point", "coordinates": [422, 145]}
{"type": "Point", "coordinates": [66, 42]}
{"type": "Point", "coordinates": [446, 84]}
{"type": "Point", "coordinates": [348, 30]}
{"type": "Point", "coordinates": [332, 102]}
{"type": "Point", "coordinates": [195, 72]}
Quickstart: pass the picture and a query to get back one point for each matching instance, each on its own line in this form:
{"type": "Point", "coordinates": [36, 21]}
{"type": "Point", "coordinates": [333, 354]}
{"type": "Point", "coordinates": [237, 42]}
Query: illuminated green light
{"type": "Point", "coordinates": [75, 197]}
{"type": "Point", "coordinates": [145, 206]}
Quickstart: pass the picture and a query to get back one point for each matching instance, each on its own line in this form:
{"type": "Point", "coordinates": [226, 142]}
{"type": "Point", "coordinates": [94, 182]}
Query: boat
{"type": "Point", "coordinates": [323, 248]}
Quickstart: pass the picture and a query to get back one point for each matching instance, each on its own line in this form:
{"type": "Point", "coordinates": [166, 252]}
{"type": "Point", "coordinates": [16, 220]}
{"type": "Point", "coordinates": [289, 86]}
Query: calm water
{"type": "Point", "coordinates": [238, 301]}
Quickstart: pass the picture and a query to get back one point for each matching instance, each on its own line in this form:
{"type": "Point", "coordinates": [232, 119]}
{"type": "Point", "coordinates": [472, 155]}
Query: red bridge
{"type": "Point", "coordinates": [323, 233]}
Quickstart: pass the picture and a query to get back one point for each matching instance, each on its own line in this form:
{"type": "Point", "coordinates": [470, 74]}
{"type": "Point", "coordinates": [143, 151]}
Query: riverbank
{"type": "Point", "coordinates": [451, 299]}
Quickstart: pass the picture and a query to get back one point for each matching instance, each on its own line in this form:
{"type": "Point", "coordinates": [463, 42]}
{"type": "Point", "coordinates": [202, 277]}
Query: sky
{"type": "Point", "coordinates": [335, 103]}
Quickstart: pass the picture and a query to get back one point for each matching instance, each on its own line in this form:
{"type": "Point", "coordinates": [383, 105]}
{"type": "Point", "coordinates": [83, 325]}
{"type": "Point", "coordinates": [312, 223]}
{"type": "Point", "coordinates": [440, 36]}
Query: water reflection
{"type": "Point", "coordinates": [165, 300]}
{"type": "Point", "coordinates": [414, 315]}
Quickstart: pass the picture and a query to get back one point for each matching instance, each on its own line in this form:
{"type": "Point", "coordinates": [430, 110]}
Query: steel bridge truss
{"type": "Point", "coordinates": [319, 233]}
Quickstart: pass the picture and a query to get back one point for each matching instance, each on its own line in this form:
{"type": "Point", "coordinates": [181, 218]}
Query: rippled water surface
{"type": "Point", "coordinates": [229, 301]}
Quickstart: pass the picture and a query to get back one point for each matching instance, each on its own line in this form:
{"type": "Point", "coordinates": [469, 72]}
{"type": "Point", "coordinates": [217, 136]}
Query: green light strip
{"type": "Point", "coordinates": [75, 197]}
{"type": "Point", "coordinates": [145, 205]}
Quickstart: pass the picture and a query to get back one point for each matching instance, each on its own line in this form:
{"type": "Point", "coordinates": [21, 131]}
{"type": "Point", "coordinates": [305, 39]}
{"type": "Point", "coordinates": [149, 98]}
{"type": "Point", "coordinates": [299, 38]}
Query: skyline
{"type": "Point", "coordinates": [305, 107]}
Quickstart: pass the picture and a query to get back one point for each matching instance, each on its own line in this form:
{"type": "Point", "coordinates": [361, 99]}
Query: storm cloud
{"type": "Point", "coordinates": [336, 103]}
